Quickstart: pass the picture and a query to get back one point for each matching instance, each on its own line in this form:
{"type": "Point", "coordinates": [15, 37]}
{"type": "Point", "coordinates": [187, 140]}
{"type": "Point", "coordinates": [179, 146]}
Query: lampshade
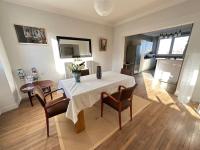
{"type": "Point", "coordinates": [103, 7]}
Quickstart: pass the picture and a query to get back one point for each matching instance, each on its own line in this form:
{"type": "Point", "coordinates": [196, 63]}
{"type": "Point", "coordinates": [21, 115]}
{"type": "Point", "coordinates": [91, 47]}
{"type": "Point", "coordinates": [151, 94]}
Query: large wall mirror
{"type": "Point", "coordinates": [71, 47]}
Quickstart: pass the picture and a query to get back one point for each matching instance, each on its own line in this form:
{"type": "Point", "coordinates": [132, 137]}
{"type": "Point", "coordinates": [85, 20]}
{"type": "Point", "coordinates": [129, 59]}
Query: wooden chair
{"type": "Point", "coordinates": [120, 100]}
{"type": "Point", "coordinates": [126, 71]}
{"type": "Point", "coordinates": [85, 72]}
{"type": "Point", "coordinates": [53, 107]}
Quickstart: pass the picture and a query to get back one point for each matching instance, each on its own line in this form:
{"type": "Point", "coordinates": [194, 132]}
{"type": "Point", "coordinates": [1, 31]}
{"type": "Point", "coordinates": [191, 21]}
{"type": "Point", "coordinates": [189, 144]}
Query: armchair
{"type": "Point", "coordinates": [53, 107]}
{"type": "Point", "coordinates": [85, 72]}
{"type": "Point", "coordinates": [126, 71]}
{"type": "Point", "coordinates": [120, 100]}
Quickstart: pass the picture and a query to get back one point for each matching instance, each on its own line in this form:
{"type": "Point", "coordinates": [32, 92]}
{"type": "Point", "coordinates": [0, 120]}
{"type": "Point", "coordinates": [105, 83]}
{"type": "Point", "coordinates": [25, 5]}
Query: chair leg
{"type": "Point", "coordinates": [131, 116]}
{"type": "Point", "coordinates": [120, 122]}
{"type": "Point", "coordinates": [47, 123]}
{"type": "Point", "coordinates": [102, 109]}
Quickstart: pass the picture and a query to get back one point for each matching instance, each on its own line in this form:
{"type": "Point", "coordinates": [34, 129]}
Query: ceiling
{"type": "Point", "coordinates": [124, 10]}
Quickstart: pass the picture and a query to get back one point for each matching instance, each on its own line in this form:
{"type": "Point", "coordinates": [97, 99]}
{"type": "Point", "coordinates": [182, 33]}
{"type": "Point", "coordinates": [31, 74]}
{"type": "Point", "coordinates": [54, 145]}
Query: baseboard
{"type": "Point", "coordinates": [8, 108]}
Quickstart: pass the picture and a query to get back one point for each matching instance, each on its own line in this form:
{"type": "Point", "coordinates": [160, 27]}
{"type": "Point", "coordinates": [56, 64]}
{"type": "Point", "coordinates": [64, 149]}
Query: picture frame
{"type": "Point", "coordinates": [30, 35]}
{"type": "Point", "coordinates": [103, 44]}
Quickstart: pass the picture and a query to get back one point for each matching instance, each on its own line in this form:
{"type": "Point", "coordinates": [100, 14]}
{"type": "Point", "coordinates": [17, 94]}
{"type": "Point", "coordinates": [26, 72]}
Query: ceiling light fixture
{"type": "Point", "coordinates": [103, 7]}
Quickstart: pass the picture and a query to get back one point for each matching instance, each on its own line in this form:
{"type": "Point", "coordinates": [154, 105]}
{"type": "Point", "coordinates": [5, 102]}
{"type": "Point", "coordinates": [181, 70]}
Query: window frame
{"type": "Point", "coordinates": [170, 55]}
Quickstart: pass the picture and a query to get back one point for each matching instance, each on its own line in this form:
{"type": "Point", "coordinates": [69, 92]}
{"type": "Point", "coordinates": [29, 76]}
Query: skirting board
{"type": "Point", "coordinates": [8, 108]}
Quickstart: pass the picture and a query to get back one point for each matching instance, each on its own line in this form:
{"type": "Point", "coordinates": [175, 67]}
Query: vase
{"type": "Point", "coordinates": [99, 73]}
{"type": "Point", "coordinates": [77, 76]}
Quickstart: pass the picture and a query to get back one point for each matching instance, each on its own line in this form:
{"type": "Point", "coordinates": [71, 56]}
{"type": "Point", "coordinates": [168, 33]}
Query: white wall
{"type": "Point", "coordinates": [185, 13]}
{"type": "Point", "coordinates": [196, 94]}
{"type": "Point", "coordinates": [45, 57]}
{"type": "Point", "coordinates": [187, 83]}
{"type": "Point", "coordinates": [7, 101]}
{"type": "Point", "coordinates": [8, 71]}
{"type": "Point", "coordinates": [8, 93]}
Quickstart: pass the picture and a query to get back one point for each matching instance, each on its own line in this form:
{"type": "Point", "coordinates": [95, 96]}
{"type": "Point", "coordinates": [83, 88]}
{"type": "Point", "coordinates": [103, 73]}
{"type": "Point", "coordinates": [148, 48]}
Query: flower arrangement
{"type": "Point", "coordinates": [76, 67]}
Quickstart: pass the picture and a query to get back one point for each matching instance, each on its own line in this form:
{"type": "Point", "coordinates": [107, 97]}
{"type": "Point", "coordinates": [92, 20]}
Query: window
{"type": "Point", "coordinates": [173, 46]}
{"type": "Point", "coordinates": [180, 44]}
{"type": "Point", "coordinates": [164, 46]}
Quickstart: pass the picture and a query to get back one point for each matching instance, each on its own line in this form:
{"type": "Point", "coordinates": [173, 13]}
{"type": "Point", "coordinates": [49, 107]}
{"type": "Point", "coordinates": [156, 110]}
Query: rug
{"type": "Point", "coordinates": [97, 129]}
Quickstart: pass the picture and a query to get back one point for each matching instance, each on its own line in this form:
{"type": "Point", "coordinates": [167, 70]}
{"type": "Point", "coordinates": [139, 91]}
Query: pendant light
{"type": "Point", "coordinates": [175, 34]}
{"type": "Point", "coordinates": [179, 33]}
{"type": "Point", "coordinates": [161, 36]}
{"type": "Point", "coordinates": [166, 35]}
{"type": "Point", "coordinates": [103, 7]}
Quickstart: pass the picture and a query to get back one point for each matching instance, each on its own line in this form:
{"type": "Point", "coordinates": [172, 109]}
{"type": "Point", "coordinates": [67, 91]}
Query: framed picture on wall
{"type": "Point", "coordinates": [33, 35]}
{"type": "Point", "coordinates": [103, 44]}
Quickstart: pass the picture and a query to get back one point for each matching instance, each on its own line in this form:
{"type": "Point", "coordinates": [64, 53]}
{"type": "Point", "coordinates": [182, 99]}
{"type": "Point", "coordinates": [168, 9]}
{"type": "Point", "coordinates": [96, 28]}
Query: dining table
{"type": "Point", "coordinates": [86, 93]}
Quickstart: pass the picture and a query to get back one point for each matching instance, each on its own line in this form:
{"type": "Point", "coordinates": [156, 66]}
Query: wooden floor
{"type": "Point", "coordinates": [25, 129]}
{"type": "Point", "coordinates": [165, 124]}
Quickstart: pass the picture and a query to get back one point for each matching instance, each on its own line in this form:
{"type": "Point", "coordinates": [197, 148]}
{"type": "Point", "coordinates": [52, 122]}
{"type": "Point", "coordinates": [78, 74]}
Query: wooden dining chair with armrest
{"type": "Point", "coordinates": [120, 100]}
{"type": "Point", "coordinates": [126, 71]}
{"type": "Point", "coordinates": [85, 72]}
{"type": "Point", "coordinates": [53, 107]}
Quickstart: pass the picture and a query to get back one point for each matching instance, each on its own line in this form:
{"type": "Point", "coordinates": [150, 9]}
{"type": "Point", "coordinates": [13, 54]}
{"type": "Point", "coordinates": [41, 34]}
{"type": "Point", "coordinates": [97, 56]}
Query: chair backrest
{"type": "Point", "coordinates": [85, 72]}
{"type": "Point", "coordinates": [126, 71]}
{"type": "Point", "coordinates": [40, 95]}
{"type": "Point", "coordinates": [127, 93]}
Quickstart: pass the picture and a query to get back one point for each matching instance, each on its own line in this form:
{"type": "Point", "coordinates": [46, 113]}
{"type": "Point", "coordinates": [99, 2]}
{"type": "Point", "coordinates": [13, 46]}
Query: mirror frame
{"type": "Point", "coordinates": [77, 39]}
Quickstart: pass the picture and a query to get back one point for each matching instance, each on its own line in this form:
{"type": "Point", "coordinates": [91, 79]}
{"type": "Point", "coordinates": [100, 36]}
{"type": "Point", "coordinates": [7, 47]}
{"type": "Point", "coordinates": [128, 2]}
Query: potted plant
{"type": "Point", "coordinates": [76, 68]}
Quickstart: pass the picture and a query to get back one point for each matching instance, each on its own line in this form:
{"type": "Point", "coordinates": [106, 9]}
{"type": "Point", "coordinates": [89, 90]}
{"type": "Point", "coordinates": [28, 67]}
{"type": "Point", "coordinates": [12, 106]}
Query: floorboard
{"type": "Point", "coordinates": [25, 128]}
{"type": "Point", "coordinates": [164, 124]}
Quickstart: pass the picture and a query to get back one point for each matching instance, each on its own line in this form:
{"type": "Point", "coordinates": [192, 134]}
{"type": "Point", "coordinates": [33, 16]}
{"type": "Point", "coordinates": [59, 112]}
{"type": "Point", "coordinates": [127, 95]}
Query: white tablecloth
{"type": "Point", "coordinates": [87, 92]}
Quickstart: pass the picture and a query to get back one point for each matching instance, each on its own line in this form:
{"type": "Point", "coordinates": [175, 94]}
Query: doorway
{"type": "Point", "coordinates": [160, 53]}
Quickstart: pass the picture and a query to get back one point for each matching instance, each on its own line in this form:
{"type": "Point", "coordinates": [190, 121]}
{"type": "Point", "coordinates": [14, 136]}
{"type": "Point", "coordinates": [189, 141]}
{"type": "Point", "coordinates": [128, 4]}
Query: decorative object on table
{"type": "Point", "coordinates": [21, 73]}
{"type": "Point", "coordinates": [29, 79]}
{"type": "Point", "coordinates": [76, 68]}
{"type": "Point", "coordinates": [35, 74]}
{"type": "Point", "coordinates": [103, 7]}
{"type": "Point", "coordinates": [99, 73]}
{"type": "Point", "coordinates": [103, 44]}
{"type": "Point", "coordinates": [27, 34]}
